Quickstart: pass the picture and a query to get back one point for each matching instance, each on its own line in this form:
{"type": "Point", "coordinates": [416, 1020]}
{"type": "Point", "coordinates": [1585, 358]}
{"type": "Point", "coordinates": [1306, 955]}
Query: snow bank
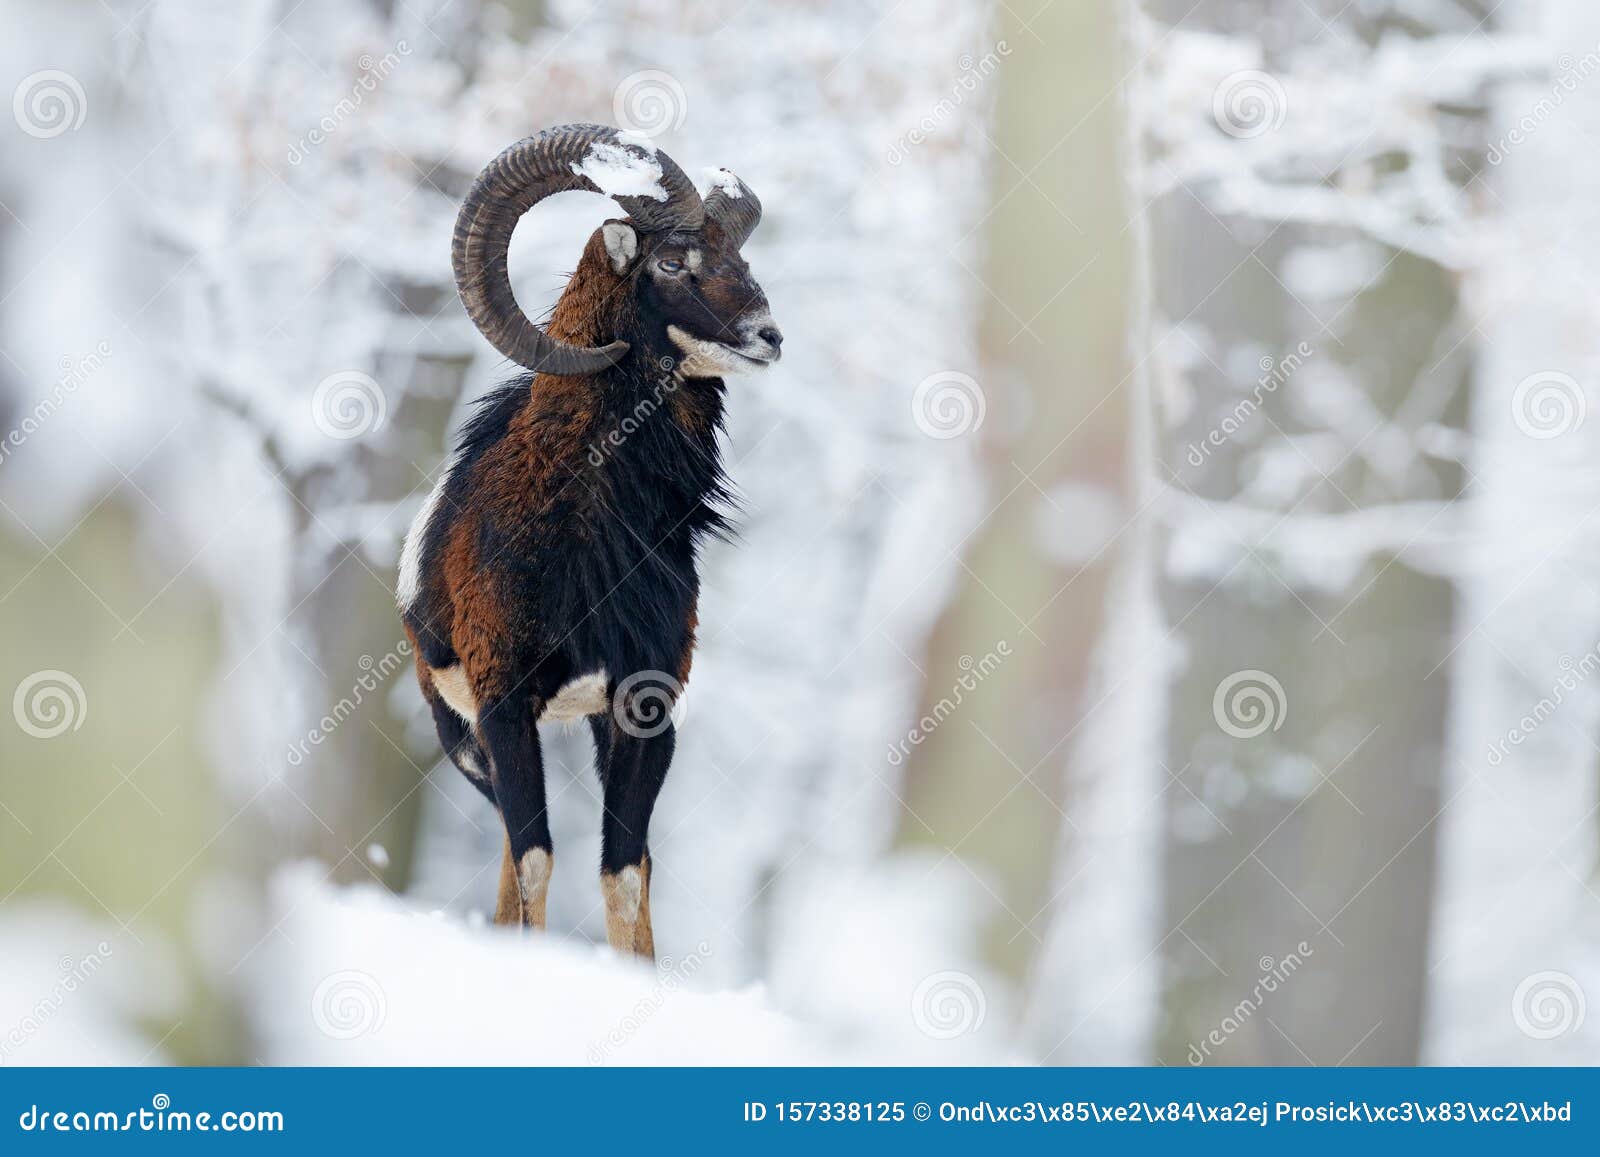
{"type": "Point", "coordinates": [74, 990]}
{"type": "Point", "coordinates": [360, 978]}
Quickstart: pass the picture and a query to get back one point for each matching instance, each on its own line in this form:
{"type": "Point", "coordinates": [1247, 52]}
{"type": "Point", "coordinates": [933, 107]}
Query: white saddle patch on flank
{"type": "Point", "coordinates": [577, 698]}
{"type": "Point", "coordinates": [451, 683]}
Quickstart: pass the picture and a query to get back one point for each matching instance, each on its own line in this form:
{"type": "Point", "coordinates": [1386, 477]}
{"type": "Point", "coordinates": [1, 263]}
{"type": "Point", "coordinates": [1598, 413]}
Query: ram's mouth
{"type": "Point", "coordinates": [759, 360]}
{"type": "Point", "coordinates": [703, 358]}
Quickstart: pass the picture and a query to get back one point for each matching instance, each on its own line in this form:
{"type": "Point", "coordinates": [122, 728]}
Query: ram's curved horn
{"type": "Point", "coordinates": [653, 191]}
{"type": "Point", "coordinates": [733, 205]}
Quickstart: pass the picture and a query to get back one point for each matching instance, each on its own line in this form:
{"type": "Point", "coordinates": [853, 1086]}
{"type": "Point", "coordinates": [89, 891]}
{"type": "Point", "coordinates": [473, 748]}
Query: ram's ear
{"type": "Point", "coordinates": [622, 244]}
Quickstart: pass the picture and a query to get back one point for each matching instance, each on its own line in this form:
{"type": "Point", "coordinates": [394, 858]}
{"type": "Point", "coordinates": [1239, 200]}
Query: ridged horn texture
{"type": "Point", "coordinates": [647, 184]}
{"type": "Point", "coordinates": [738, 215]}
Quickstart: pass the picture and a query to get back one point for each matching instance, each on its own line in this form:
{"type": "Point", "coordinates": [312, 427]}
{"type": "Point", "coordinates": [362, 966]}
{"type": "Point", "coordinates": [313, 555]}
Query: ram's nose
{"type": "Point", "coordinates": [766, 337]}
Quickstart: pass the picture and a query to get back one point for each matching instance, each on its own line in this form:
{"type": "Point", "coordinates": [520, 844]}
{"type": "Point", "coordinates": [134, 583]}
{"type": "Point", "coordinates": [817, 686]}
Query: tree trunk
{"type": "Point", "coordinates": [1007, 671]}
{"type": "Point", "coordinates": [1302, 350]}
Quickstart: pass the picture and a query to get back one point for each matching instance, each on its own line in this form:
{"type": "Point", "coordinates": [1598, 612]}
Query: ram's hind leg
{"type": "Point", "coordinates": [516, 772]}
{"type": "Point", "coordinates": [508, 899]}
{"type": "Point", "coordinates": [459, 744]}
{"type": "Point", "coordinates": [463, 750]}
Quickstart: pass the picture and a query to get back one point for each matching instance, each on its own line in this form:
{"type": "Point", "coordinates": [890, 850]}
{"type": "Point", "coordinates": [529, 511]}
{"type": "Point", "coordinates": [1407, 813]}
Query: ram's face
{"type": "Point", "coordinates": [701, 289]}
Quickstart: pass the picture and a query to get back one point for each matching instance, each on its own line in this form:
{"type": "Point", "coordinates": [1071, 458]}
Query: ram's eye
{"type": "Point", "coordinates": [670, 266]}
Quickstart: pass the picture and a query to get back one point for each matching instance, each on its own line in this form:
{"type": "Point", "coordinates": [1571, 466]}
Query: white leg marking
{"type": "Point", "coordinates": [533, 873]}
{"type": "Point", "coordinates": [469, 764]}
{"type": "Point", "coordinates": [629, 891]}
{"type": "Point", "coordinates": [451, 683]}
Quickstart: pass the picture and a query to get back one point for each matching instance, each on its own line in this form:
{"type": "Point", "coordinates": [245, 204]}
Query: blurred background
{"type": "Point", "coordinates": [1165, 623]}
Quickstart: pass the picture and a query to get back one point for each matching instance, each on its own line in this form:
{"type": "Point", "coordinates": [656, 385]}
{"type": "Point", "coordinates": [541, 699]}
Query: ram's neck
{"type": "Point", "coordinates": [652, 433]}
{"type": "Point", "coordinates": [661, 461]}
{"type": "Point", "coordinates": [595, 309]}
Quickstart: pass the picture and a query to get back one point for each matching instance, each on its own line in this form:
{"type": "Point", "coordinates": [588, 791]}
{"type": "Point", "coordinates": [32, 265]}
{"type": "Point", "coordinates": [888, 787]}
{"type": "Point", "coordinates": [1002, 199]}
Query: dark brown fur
{"type": "Point", "coordinates": [558, 549]}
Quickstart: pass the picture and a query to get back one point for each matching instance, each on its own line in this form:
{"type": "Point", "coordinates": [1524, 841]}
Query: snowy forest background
{"type": "Point", "coordinates": [1166, 619]}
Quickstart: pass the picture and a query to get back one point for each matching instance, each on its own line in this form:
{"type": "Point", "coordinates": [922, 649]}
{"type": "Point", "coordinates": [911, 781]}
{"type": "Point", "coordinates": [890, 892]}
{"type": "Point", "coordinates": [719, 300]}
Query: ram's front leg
{"type": "Point", "coordinates": [516, 773]}
{"type": "Point", "coordinates": [633, 761]}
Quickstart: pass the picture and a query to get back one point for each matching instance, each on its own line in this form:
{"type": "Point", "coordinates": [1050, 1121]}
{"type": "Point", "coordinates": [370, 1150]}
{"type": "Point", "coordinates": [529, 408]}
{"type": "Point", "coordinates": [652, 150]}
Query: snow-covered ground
{"type": "Point", "coordinates": [75, 990]}
{"type": "Point", "coordinates": [359, 976]}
